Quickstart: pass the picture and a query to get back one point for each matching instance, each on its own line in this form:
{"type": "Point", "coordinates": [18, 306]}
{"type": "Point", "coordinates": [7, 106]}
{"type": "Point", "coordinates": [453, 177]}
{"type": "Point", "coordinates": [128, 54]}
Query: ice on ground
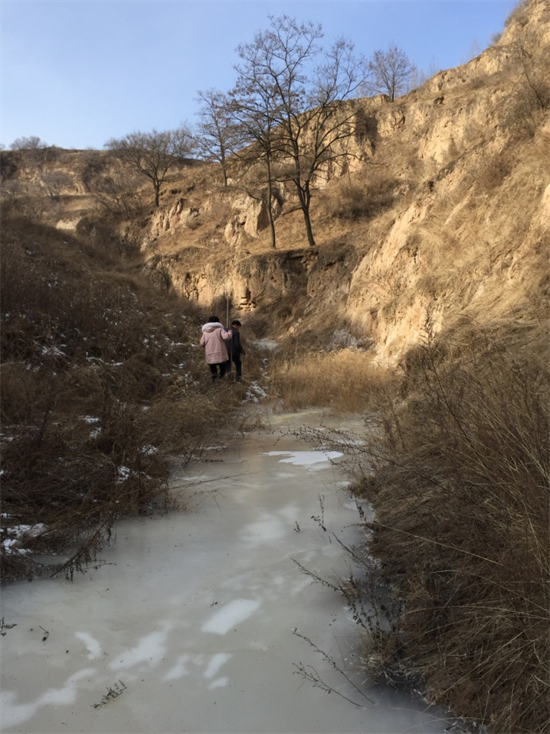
{"type": "Point", "coordinates": [255, 393]}
{"type": "Point", "coordinates": [182, 591]}
{"type": "Point", "coordinates": [266, 530]}
{"type": "Point", "coordinates": [267, 344]}
{"type": "Point", "coordinates": [16, 713]}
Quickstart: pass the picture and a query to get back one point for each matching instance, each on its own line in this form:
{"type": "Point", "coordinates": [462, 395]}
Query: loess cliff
{"type": "Point", "coordinates": [440, 214]}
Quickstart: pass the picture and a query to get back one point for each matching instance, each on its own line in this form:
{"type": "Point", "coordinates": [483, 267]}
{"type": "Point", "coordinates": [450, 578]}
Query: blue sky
{"type": "Point", "coordinates": [78, 72]}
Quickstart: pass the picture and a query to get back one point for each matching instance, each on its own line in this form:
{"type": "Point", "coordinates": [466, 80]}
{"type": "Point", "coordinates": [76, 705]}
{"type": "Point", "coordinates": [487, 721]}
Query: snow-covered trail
{"type": "Point", "coordinates": [191, 627]}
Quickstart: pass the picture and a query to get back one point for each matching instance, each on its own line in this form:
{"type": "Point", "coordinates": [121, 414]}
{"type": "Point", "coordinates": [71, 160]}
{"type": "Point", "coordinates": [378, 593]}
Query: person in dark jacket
{"type": "Point", "coordinates": [234, 347]}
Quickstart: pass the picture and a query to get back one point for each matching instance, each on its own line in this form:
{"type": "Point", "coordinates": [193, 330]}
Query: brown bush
{"type": "Point", "coordinates": [519, 13]}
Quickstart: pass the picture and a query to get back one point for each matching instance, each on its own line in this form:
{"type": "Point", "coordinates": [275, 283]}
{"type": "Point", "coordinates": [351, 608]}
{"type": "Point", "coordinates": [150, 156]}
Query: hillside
{"type": "Point", "coordinates": [440, 212]}
{"type": "Point", "coordinates": [423, 305]}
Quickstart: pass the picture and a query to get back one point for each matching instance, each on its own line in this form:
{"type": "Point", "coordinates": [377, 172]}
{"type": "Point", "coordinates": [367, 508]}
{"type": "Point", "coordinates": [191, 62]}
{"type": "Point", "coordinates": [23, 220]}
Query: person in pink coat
{"type": "Point", "coordinates": [215, 351]}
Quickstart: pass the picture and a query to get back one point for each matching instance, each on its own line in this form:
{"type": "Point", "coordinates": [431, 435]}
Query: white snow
{"type": "Point", "coordinates": [150, 649]}
{"type": "Point", "coordinates": [231, 615]}
{"type": "Point", "coordinates": [14, 713]}
{"type": "Point", "coordinates": [124, 473]}
{"type": "Point", "coordinates": [306, 458]}
{"type": "Point", "coordinates": [215, 664]}
{"type": "Point", "coordinates": [92, 645]}
{"type": "Point", "coordinates": [90, 419]}
{"type": "Point", "coordinates": [179, 669]}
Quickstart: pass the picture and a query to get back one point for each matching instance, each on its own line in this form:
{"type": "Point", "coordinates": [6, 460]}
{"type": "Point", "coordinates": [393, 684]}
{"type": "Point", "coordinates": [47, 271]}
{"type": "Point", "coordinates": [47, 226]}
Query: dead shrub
{"type": "Point", "coordinates": [493, 171]}
{"type": "Point", "coordinates": [361, 196]}
{"type": "Point", "coordinates": [519, 13]}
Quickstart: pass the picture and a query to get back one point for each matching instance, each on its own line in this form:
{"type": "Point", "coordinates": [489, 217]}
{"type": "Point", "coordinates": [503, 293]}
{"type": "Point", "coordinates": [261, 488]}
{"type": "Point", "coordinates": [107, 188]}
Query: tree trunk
{"type": "Point", "coordinates": [305, 198]}
{"type": "Point", "coordinates": [309, 230]}
{"type": "Point", "coordinates": [270, 210]}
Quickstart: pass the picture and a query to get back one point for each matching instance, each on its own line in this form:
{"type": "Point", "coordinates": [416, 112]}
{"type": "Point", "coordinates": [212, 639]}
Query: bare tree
{"type": "Point", "coordinates": [303, 103]}
{"type": "Point", "coordinates": [253, 105]}
{"type": "Point", "coordinates": [32, 142]}
{"type": "Point", "coordinates": [216, 138]}
{"type": "Point", "coordinates": [153, 154]}
{"type": "Point", "coordinates": [389, 72]}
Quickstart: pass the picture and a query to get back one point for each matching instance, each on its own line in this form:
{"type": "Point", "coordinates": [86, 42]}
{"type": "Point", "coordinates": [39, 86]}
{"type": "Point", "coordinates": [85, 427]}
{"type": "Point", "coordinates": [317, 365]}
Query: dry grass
{"type": "Point", "coordinates": [519, 13]}
{"type": "Point", "coordinates": [346, 381]}
{"type": "Point", "coordinates": [363, 195]}
{"type": "Point", "coordinates": [461, 531]}
{"type": "Point", "coordinates": [101, 386]}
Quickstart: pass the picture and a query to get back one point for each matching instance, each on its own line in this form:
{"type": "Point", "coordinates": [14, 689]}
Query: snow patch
{"type": "Point", "coordinates": [92, 645]}
{"type": "Point", "coordinates": [230, 615]}
{"type": "Point", "coordinates": [179, 669]}
{"type": "Point", "coordinates": [14, 713]}
{"type": "Point", "coordinates": [150, 650]}
{"type": "Point", "coordinates": [215, 664]}
{"type": "Point", "coordinates": [309, 459]}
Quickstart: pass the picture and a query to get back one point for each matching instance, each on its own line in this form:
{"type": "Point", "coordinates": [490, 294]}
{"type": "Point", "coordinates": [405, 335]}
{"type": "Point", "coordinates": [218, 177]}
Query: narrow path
{"type": "Point", "coordinates": [192, 628]}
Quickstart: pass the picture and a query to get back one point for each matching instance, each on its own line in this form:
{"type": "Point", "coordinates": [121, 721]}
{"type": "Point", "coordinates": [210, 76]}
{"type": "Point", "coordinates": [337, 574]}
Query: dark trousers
{"type": "Point", "coordinates": [223, 367]}
{"type": "Point", "coordinates": [238, 365]}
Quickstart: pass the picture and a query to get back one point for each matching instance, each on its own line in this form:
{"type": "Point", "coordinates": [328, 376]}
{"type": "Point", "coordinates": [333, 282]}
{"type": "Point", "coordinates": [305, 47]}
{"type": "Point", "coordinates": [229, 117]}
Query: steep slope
{"type": "Point", "coordinates": [441, 211]}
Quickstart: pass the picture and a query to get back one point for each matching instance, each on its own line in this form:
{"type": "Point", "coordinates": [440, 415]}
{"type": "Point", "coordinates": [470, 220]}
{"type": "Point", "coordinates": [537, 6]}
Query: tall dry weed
{"type": "Point", "coordinates": [461, 495]}
{"type": "Point", "coordinates": [347, 381]}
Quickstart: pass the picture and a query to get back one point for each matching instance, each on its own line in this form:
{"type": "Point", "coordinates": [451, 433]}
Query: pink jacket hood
{"type": "Point", "coordinates": [211, 326]}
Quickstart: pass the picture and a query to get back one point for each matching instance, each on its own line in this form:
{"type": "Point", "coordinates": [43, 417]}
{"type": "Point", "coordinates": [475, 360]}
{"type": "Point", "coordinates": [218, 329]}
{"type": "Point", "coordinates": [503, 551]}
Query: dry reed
{"type": "Point", "coordinates": [346, 380]}
{"type": "Point", "coordinates": [461, 528]}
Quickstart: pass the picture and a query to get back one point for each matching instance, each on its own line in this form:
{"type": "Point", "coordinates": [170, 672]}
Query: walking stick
{"type": "Point", "coordinates": [229, 371]}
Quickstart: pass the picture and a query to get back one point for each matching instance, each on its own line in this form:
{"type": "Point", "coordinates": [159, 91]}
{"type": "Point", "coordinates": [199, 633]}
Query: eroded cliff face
{"type": "Point", "coordinates": [466, 234]}
{"type": "Point", "coordinates": [473, 241]}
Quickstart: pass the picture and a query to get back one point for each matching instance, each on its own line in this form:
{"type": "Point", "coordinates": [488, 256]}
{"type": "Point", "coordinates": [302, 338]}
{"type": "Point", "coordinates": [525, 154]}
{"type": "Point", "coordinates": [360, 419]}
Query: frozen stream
{"type": "Point", "coordinates": [192, 619]}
